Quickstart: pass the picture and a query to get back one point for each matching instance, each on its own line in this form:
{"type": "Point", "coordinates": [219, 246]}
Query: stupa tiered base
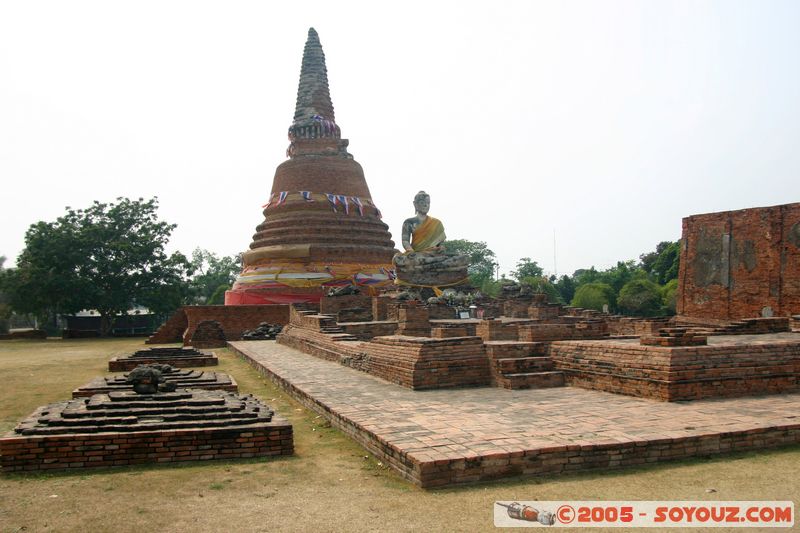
{"type": "Point", "coordinates": [180, 357]}
{"type": "Point", "coordinates": [125, 428]}
{"type": "Point", "coordinates": [183, 379]}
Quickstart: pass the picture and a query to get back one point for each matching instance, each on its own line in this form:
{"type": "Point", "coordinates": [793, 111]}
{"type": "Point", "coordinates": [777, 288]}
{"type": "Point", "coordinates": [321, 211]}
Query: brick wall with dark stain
{"type": "Point", "coordinates": [234, 319]}
{"type": "Point", "coordinates": [734, 264]}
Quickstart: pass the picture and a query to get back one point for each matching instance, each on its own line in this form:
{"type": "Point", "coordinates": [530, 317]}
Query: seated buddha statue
{"type": "Point", "coordinates": [424, 262]}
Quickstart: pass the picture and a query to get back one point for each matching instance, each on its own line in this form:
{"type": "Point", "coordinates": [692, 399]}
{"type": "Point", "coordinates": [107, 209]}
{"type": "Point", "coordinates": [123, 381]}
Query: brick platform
{"type": "Point", "coordinates": [124, 428]}
{"type": "Point", "coordinates": [179, 357]}
{"type": "Point", "coordinates": [183, 379]}
{"type": "Point", "coordinates": [413, 362]}
{"type": "Point", "coordinates": [447, 437]}
{"type": "Point", "coordinates": [737, 365]}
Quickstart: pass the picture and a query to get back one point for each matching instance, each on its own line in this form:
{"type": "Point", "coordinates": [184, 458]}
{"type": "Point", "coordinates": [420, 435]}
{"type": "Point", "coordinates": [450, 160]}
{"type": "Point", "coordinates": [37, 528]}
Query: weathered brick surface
{"type": "Point", "coordinates": [481, 434]}
{"type": "Point", "coordinates": [179, 358]}
{"type": "Point", "coordinates": [170, 331]}
{"type": "Point", "coordinates": [497, 330]}
{"type": "Point", "coordinates": [194, 379]}
{"type": "Point", "coordinates": [546, 312]}
{"type": "Point", "coordinates": [234, 319]}
{"type": "Point", "coordinates": [413, 320]}
{"type": "Point", "coordinates": [331, 305]}
{"type": "Point", "coordinates": [736, 263]}
{"type": "Point", "coordinates": [446, 332]}
{"type": "Point", "coordinates": [684, 373]}
{"type": "Point", "coordinates": [517, 308]}
{"type": "Point", "coordinates": [588, 329]}
{"type": "Point", "coordinates": [79, 451]}
{"type": "Point", "coordinates": [367, 330]}
{"type": "Point", "coordinates": [208, 334]}
{"type": "Point", "coordinates": [413, 362]}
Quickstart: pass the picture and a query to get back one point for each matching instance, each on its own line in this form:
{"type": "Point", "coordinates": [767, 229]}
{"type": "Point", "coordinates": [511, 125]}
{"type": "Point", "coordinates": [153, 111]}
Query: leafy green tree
{"type": "Point", "coordinates": [5, 309]}
{"type": "Point", "coordinates": [542, 285]}
{"type": "Point", "coordinates": [107, 257]}
{"type": "Point", "coordinates": [481, 259]}
{"type": "Point", "coordinates": [640, 297]}
{"type": "Point", "coordinates": [669, 293]}
{"type": "Point", "coordinates": [526, 268]}
{"type": "Point", "coordinates": [211, 272]}
{"type": "Point", "coordinates": [663, 263]}
{"type": "Point", "coordinates": [565, 287]}
{"type": "Point", "coordinates": [594, 296]}
{"type": "Point", "coordinates": [218, 298]}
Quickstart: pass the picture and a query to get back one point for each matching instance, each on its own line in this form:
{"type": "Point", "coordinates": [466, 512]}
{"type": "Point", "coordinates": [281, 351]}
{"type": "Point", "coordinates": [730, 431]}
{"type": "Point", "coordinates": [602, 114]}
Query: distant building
{"type": "Point", "coordinates": [138, 322]}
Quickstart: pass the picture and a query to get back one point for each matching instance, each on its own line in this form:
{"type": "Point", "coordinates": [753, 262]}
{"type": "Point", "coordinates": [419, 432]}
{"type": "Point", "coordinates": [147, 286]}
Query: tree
{"type": "Point", "coordinates": [542, 285]}
{"type": "Point", "coordinates": [669, 294]}
{"type": "Point", "coordinates": [640, 297]}
{"type": "Point", "coordinates": [218, 298]}
{"type": "Point", "coordinates": [594, 296]}
{"type": "Point", "coordinates": [481, 259]}
{"type": "Point", "coordinates": [211, 272]}
{"type": "Point", "coordinates": [107, 257]}
{"type": "Point", "coordinates": [5, 309]}
{"type": "Point", "coordinates": [662, 264]}
{"type": "Point", "coordinates": [527, 269]}
{"type": "Point", "coordinates": [565, 287]}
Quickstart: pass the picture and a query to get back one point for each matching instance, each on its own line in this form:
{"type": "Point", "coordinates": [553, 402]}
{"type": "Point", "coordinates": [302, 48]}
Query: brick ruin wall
{"type": "Point", "coordinates": [735, 264]}
{"type": "Point", "coordinates": [673, 374]}
{"type": "Point", "coordinates": [234, 319]}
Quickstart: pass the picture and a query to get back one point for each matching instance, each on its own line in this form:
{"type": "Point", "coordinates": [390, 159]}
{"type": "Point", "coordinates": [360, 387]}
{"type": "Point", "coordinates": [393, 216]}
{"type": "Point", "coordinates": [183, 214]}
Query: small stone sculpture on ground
{"type": "Point", "coordinates": [264, 332]}
{"type": "Point", "coordinates": [344, 291]}
{"type": "Point", "coordinates": [148, 379]}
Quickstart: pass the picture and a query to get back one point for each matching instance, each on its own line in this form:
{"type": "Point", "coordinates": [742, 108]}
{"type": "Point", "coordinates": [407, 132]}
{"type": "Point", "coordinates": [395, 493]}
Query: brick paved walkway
{"type": "Point", "coordinates": [442, 437]}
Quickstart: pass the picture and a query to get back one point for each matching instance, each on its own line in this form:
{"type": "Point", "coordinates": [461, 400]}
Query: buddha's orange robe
{"type": "Point", "coordinates": [429, 234]}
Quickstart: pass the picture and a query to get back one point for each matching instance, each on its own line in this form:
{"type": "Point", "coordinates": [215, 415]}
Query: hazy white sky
{"type": "Point", "coordinates": [603, 123]}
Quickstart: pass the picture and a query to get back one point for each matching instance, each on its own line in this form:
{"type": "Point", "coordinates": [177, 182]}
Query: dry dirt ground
{"type": "Point", "coordinates": [330, 484]}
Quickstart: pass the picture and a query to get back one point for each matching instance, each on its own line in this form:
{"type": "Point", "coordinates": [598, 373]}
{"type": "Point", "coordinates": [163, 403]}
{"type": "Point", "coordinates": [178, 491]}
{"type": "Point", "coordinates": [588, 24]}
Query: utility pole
{"type": "Point", "coordinates": [555, 267]}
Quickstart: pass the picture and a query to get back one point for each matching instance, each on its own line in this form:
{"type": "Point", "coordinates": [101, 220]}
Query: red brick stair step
{"type": "Point", "coordinates": [532, 380]}
{"type": "Point", "coordinates": [514, 365]}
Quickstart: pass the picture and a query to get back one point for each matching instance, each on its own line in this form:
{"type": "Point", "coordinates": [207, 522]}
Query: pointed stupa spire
{"type": "Point", "coordinates": [313, 114]}
{"type": "Point", "coordinates": [313, 96]}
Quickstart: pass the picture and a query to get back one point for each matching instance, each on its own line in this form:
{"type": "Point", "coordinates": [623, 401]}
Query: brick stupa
{"type": "Point", "coordinates": [321, 228]}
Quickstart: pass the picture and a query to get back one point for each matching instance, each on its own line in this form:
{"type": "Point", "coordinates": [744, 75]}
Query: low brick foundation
{"type": "Point", "coordinates": [413, 362]}
{"type": "Point", "coordinates": [182, 379]}
{"type": "Point", "coordinates": [447, 444]}
{"type": "Point", "coordinates": [122, 428]}
{"type": "Point", "coordinates": [367, 330]}
{"type": "Point", "coordinates": [59, 452]}
{"type": "Point", "coordinates": [590, 329]}
{"type": "Point", "coordinates": [177, 357]}
{"type": "Point", "coordinates": [426, 363]}
{"type": "Point", "coordinates": [680, 373]}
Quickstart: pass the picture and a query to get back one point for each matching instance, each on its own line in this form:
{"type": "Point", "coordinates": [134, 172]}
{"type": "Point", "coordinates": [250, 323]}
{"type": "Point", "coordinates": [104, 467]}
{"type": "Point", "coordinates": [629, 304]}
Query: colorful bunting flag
{"type": "Point", "coordinates": [269, 202]}
{"type": "Point", "coordinates": [332, 200]}
{"type": "Point", "coordinates": [282, 197]}
{"type": "Point", "coordinates": [359, 205]}
{"type": "Point", "coordinates": [343, 199]}
{"type": "Point", "coordinates": [306, 196]}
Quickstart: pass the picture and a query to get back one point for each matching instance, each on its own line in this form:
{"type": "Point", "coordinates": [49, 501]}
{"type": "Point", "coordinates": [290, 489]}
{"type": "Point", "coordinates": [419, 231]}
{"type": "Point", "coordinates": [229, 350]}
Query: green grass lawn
{"type": "Point", "coordinates": [330, 484]}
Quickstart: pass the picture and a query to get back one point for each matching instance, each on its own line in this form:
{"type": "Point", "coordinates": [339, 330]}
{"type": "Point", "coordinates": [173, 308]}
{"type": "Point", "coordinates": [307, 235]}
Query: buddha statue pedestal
{"type": "Point", "coordinates": [431, 268]}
